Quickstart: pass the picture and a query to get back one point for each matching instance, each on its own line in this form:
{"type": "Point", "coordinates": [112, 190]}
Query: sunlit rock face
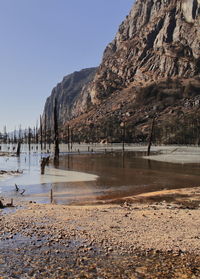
{"type": "Point", "coordinates": [158, 39]}
{"type": "Point", "coordinates": [190, 10]}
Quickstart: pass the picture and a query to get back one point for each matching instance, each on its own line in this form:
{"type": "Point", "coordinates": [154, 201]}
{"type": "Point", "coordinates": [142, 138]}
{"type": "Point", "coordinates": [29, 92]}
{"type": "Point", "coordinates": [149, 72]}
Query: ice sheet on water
{"type": "Point", "coordinates": [51, 175]}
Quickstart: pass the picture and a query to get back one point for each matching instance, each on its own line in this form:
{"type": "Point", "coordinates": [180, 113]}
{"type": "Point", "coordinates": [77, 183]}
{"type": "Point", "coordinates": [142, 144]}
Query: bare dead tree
{"type": "Point", "coordinates": [49, 138]}
{"type": "Point", "coordinates": [71, 139]}
{"type": "Point", "coordinates": [51, 196]}
{"type": "Point", "coordinates": [36, 133]}
{"type": "Point", "coordinates": [29, 138]}
{"type": "Point", "coordinates": [19, 148]}
{"type": "Point", "coordinates": [123, 135]}
{"type": "Point", "coordinates": [56, 134]}
{"type": "Point", "coordinates": [41, 133]}
{"type": "Point", "coordinates": [68, 137]}
{"type": "Point", "coordinates": [151, 136]}
{"type": "Point", "coordinates": [45, 131]}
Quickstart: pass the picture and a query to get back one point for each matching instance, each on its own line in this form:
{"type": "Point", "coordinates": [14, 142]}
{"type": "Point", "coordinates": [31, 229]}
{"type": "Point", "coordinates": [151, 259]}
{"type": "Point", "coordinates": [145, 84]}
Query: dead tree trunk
{"type": "Point", "coordinates": [123, 135]}
{"type": "Point", "coordinates": [18, 148]}
{"type": "Point", "coordinates": [49, 139]}
{"type": "Point", "coordinates": [29, 139]}
{"type": "Point", "coordinates": [151, 136]}
{"type": "Point", "coordinates": [43, 164]}
{"type": "Point", "coordinates": [51, 196]}
{"type": "Point", "coordinates": [45, 131]}
{"type": "Point", "coordinates": [41, 133]}
{"type": "Point", "coordinates": [71, 139]}
{"type": "Point", "coordinates": [68, 137]}
{"type": "Point", "coordinates": [36, 134]}
{"type": "Point", "coordinates": [56, 134]}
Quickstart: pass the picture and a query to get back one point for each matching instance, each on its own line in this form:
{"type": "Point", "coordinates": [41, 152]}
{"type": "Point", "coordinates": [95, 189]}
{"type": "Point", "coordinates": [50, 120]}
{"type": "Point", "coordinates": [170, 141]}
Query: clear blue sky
{"type": "Point", "coordinates": [42, 41]}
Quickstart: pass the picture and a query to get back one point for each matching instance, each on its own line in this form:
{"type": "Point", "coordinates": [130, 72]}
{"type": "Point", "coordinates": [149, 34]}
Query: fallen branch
{"type": "Point", "coordinates": [22, 192]}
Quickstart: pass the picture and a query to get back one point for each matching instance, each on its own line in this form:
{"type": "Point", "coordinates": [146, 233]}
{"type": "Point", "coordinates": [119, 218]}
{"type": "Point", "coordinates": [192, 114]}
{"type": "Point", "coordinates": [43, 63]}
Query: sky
{"type": "Point", "coordinates": [44, 40]}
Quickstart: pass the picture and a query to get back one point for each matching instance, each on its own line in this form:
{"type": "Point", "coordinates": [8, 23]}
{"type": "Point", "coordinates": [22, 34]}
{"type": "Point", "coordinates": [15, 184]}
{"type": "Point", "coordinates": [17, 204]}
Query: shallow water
{"type": "Point", "coordinates": [112, 176]}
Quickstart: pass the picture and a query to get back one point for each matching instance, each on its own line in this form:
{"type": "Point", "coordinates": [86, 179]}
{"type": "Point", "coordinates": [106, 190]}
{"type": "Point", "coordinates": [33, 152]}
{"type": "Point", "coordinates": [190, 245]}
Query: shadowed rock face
{"type": "Point", "coordinates": [158, 39]}
{"type": "Point", "coordinates": [67, 94]}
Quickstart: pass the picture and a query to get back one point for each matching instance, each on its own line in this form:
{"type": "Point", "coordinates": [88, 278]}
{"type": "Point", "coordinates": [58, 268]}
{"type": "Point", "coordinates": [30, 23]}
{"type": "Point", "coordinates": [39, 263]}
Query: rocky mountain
{"type": "Point", "coordinates": [158, 39]}
{"type": "Point", "coordinates": [151, 68]}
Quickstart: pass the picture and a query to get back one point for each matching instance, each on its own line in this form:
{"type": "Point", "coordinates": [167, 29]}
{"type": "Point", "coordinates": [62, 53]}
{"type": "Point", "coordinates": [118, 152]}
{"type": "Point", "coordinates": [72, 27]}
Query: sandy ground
{"type": "Point", "coordinates": [135, 237]}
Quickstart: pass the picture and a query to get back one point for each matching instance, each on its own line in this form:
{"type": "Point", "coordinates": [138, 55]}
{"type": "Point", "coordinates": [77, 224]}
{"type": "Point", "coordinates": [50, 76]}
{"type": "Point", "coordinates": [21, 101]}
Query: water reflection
{"type": "Point", "coordinates": [119, 175]}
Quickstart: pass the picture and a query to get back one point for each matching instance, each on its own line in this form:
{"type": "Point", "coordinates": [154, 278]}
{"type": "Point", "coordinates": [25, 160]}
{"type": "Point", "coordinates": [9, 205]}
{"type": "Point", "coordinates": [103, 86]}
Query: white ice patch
{"type": "Point", "coordinates": [51, 176]}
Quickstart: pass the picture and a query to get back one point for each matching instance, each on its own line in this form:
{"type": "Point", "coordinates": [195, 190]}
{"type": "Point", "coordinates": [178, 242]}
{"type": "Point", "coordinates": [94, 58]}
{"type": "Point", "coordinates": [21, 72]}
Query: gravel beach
{"type": "Point", "coordinates": [149, 237]}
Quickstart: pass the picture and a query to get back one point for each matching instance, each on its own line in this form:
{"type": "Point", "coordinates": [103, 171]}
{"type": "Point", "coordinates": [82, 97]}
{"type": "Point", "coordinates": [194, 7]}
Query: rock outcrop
{"type": "Point", "coordinates": [158, 39]}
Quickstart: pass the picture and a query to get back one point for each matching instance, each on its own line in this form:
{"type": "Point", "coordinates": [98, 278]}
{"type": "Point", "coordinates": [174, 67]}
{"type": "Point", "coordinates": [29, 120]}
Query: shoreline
{"type": "Point", "coordinates": [169, 154]}
{"type": "Point", "coordinates": [166, 153]}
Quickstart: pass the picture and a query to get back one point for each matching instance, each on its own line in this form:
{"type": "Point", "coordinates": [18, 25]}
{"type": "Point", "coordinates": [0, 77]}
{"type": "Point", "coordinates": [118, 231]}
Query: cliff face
{"type": "Point", "coordinates": [158, 39]}
{"type": "Point", "coordinates": [151, 66]}
{"type": "Point", "coordinates": [67, 93]}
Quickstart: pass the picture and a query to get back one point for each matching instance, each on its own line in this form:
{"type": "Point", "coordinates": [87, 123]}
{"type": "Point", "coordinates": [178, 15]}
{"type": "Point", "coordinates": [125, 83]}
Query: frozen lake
{"type": "Point", "coordinates": [93, 177]}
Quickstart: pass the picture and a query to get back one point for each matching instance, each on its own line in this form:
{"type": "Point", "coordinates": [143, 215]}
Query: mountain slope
{"type": "Point", "coordinates": [151, 68]}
